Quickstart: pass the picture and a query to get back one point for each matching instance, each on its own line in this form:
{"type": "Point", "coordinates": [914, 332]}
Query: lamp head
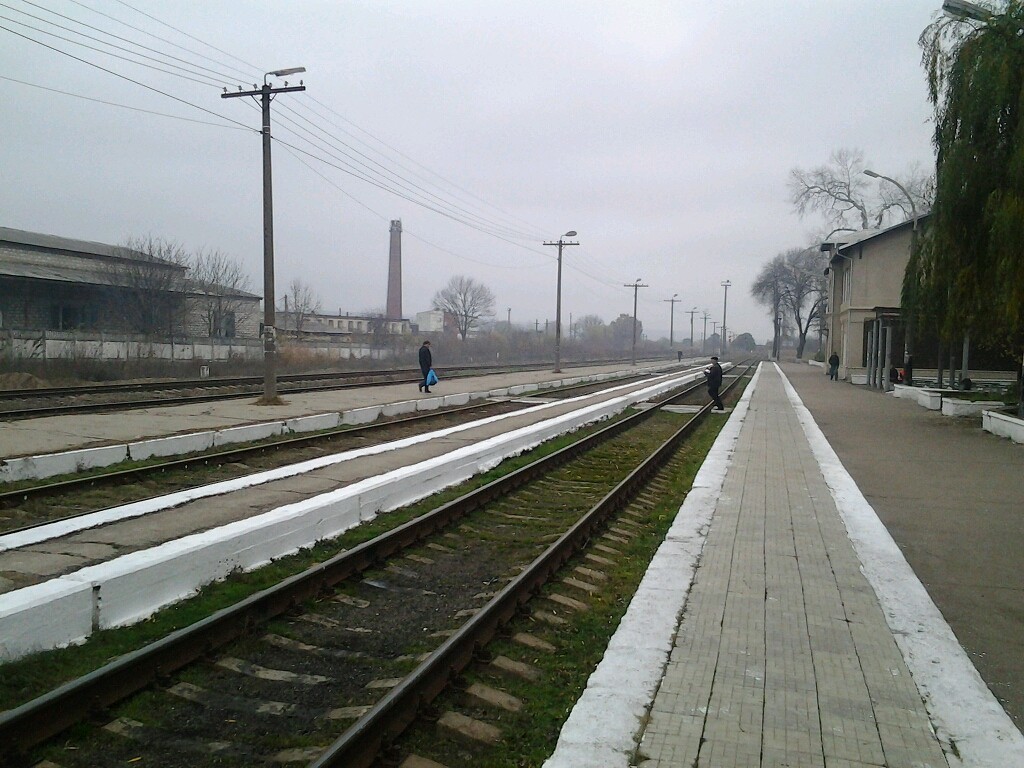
{"type": "Point", "coordinates": [289, 71]}
{"type": "Point", "coordinates": [570, 233]}
{"type": "Point", "coordinates": [872, 174]}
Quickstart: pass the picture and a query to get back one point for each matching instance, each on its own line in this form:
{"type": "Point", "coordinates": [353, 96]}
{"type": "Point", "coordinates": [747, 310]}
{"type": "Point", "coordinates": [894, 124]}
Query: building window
{"type": "Point", "coordinates": [70, 317]}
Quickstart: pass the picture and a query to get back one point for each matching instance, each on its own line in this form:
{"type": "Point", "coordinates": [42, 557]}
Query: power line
{"type": "Point", "coordinates": [382, 217]}
{"type": "Point", "coordinates": [126, 78]}
{"type": "Point", "coordinates": [224, 78]}
{"type": "Point", "coordinates": [123, 106]}
{"type": "Point", "coordinates": [105, 53]}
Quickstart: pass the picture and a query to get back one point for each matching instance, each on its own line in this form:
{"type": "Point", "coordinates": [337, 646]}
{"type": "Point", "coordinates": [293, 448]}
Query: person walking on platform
{"type": "Point", "coordinates": [833, 367]}
{"type": "Point", "coordinates": [714, 374]}
{"type": "Point", "coordinates": [426, 363]}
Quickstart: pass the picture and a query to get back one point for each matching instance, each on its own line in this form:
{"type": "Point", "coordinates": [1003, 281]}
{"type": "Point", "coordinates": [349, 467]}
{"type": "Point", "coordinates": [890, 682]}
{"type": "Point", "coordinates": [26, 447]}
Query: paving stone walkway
{"type": "Point", "coordinates": [783, 656]}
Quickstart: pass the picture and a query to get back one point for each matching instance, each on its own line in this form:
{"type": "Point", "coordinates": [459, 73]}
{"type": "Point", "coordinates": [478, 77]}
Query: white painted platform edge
{"type": "Point", "coordinates": [135, 509]}
{"type": "Point", "coordinates": [962, 708]}
{"type": "Point", "coordinates": [133, 586]}
{"type": "Point", "coordinates": [65, 462]}
{"type": "Point", "coordinates": [604, 728]}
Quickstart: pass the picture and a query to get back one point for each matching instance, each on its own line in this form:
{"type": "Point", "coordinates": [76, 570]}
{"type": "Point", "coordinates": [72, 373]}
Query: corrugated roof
{"type": "Point", "coordinates": [35, 256]}
{"type": "Point", "coordinates": [55, 243]}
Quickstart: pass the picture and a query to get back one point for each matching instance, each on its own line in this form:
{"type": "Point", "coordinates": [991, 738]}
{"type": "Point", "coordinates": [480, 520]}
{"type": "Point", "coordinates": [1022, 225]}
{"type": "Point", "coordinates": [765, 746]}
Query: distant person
{"type": "Point", "coordinates": [679, 356]}
{"type": "Point", "coordinates": [894, 375]}
{"type": "Point", "coordinates": [908, 371]}
{"type": "Point", "coordinates": [833, 367]}
{"type": "Point", "coordinates": [426, 363]}
{"type": "Point", "coordinates": [714, 374]}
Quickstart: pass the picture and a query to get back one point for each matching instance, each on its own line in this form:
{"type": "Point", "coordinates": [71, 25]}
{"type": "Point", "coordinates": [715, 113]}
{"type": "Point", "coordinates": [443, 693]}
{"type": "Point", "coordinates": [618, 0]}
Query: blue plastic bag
{"type": "Point", "coordinates": [431, 378]}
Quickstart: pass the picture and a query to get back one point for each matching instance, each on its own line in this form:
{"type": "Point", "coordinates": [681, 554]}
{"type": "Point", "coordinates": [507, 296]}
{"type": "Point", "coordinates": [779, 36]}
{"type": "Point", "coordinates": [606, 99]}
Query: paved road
{"type": "Point", "coordinates": [952, 496]}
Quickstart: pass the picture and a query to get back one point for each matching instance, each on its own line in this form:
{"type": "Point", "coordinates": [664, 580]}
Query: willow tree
{"type": "Point", "coordinates": [968, 272]}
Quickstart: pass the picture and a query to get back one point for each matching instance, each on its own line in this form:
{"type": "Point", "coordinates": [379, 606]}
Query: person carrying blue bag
{"type": "Point", "coordinates": [426, 361]}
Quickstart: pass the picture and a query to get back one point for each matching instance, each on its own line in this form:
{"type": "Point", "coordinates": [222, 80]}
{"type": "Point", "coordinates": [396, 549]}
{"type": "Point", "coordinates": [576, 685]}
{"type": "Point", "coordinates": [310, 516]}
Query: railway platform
{"type": "Point", "coordinates": [781, 625]}
{"type": "Point", "coordinates": [52, 445]}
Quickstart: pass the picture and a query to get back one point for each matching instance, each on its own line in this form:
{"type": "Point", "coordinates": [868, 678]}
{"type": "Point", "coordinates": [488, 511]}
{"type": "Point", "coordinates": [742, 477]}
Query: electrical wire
{"type": "Point", "coordinates": [224, 79]}
{"type": "Point", "coordinates": [125, 77]}
{"type": "Point", "coordinates": [106, 53]}
{"type": "Point", "coordinates": [382, 217]}
{"type": "Point", "coordinates": [124, 106]}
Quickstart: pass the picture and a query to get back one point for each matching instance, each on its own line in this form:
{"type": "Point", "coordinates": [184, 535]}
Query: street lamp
{"type": "Point", "coordinates": [913, 208]}
{"type": "Point", "coordinates": [961, 9]}
{"type": "Point", "coordinates": [908, 341]}
{"type": "Point", "coordinates": [725, 304]}
{"type": "Point", "coordinates": [269, 311]}
{"type": "Point", "coordinates": [558, 299]}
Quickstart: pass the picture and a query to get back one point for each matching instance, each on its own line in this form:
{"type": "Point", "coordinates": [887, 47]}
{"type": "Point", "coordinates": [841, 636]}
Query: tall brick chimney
{"type": "Point", "coordinates": [395, 272]}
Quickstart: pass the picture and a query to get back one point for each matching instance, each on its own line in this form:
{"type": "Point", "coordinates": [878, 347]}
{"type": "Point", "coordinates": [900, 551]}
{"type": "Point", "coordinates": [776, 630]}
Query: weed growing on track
{"type": "Point", "coordinates": [529, 736]}
{"type": "Point", "coordinates": [32, 676]}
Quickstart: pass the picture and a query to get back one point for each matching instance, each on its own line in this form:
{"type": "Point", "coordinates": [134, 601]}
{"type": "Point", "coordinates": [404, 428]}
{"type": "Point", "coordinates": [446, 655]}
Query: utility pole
{"type": "Point", "coordinates": [704, 336]}
{"type": "Point", "coordinates": [636, 286]}
{"type": "Point", "coordinates": [269, 314]}
{"type": "Point", "coordinates": [691, 313]}
{"type": "Point", "coordinates": [509, 310]}
{"type": "Point", "coordinates": [672, 320]}
{"type": "Point", "coordinates": [725, 304]}
{"type": "Point", "coordinates": [558, 299]}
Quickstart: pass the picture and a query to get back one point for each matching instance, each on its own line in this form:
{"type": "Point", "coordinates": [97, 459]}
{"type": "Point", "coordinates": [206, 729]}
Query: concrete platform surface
{"type": "Point", "coordinates": [51, 434]}
{"type": "Point", "coordinates": [780, 625]}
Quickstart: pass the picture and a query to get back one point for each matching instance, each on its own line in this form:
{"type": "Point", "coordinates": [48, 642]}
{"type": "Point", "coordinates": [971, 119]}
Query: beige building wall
{"type": "Point", "coordinates": [865, 276]}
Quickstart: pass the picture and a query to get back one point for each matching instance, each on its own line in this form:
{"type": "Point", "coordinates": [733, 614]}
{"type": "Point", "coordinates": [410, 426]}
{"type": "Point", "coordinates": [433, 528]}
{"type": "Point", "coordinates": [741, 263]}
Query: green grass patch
{"type": "Point", "coordinates": [529, 736]}
{"type": "Point", "coordinates": [24, 679]}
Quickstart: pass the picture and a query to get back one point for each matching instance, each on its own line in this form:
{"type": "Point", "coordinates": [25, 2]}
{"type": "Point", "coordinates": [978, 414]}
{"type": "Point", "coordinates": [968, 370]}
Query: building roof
{"type": "Point", "coordinates": [840, 241]}
{"type": "Point", "coordinates": [84, 247]}
{"type": "Point", "coordinates": [37, 256]}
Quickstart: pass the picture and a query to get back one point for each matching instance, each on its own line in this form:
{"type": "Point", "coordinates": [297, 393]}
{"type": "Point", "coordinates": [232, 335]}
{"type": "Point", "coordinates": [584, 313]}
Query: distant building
{"type": "Point", "coordinates": [865, 318]}
{"type": "Point", "coordinates": [56, 292]}
{"type": "Point", "coordinates": [340, 325]}
{"type": "Point", "coordinates": [436, 321]}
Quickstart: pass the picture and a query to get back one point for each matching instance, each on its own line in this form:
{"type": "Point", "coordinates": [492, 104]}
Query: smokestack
{"type": "Point", "coordinates": [394, 311]}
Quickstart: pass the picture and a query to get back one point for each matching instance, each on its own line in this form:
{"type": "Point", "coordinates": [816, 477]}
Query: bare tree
{"type": "Point", "coordinates": [467, 301]}
{"type": "Point", "coordinates": [150, 279]}
{"type": "Point", "coordinates": [850, 200]}
{"type": "Point", "coordinates": [217, 282]}
{"type": "Point", "coordinates": [806, 290]}
{"type": "Point", "coordinates": [769, 290]}
{"type": "Point", "coordinates": [300, 302]}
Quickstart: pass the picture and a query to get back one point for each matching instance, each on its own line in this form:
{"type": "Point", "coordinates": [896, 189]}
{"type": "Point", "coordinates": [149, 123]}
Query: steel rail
{"type": "Point", "coordinates": [75, 408]}
{"type": "Point", "coordinates": [16, 496]}
{"type": "Point", "coordinates": [451, 371]}
{"type": "Point", "coordinates": [35, 721]}
{"type": "Point", "coordinates": [363, 742]}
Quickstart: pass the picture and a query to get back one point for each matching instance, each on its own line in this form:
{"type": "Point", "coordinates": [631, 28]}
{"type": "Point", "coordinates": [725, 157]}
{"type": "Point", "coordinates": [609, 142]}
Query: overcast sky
{"type": "Point", "coordinates": [663, 132]}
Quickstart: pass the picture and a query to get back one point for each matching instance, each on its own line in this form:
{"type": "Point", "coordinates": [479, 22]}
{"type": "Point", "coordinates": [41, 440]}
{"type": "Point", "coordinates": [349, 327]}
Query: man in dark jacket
{"type": "Point", "coordinates": [426, 363]}
{"type": "Point", "coordinates": [714, 374]}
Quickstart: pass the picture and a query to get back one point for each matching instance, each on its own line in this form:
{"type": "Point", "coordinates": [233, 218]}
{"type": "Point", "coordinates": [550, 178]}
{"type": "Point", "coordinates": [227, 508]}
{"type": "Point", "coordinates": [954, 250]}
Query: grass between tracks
{"type": "Point", "coordinates": [32, 676]}
{"type": "Point", "coordinates": [529, 736]}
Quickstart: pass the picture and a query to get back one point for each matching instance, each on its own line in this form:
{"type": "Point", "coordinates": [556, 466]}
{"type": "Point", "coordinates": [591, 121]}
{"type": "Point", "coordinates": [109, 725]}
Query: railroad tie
{"type": "Point", "coordinates": [507, 666]}
{"type": "Point", "coordinates": [533, 642]}
{"type": "Point", "coordinates": [467, 729]}
{"type": "Point", "coordinates": [483, 695]}
{"type": "Point", "coordinates": [567, 602]}
{"type": "Point", "coordinates": [415, 761]}
{"type": "Point", "coordinates": [585, 586]}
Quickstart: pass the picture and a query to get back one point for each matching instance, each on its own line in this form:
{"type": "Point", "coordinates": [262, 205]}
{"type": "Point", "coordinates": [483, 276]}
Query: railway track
{"type": "Point", "coordinates": [27, 504]}
{"type": "Point", "coordinates": [329, 666]}
{"type": "Point", "coordinates": [54, 401]}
